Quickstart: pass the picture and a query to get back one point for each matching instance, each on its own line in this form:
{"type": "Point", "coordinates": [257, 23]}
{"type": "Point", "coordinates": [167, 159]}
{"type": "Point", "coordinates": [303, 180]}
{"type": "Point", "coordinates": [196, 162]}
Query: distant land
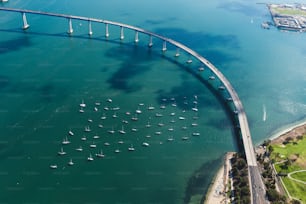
{"type": "Point", "coordinates": [288, 16]}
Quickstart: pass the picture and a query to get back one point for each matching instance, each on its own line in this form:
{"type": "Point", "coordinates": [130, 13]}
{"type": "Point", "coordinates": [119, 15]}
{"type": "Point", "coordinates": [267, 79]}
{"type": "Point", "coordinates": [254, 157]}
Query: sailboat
{"type": "Point", "coordinates": [111, 131]}
{"type": "Point", "coordinates": [148, 124]}
{"type": "Point", "coordinates": [53, 166]}
{"type": "Point", "coordinates": [170, 139]}
{"type": "Point", "coordinates": [65, 141]}
{"type": "Point", "coordinates": [145, 144]}
{"type": "Point", "coordinates": [122, 131]}
{"type": "Point", "coordinates": [103, 116]}
{"type": "Point", "coordinates": [62, 152]}
{"type": "Point", "coordinates": [81, 110]}
{"type": "Point", "coordinates": [82, 105]}
{"type": "Point", "coordinates": [93, 145]}
{"type": "Point", "coordinates": [100, 154]}
{"type": "Point", "coordinates": [79, 149]}
{"type": "Point", "coordinates": [90, 158]}
{"type": "Point", "coordinates": [134, 118]}
{"type": "Point", "coordinates": [131, 148]}
{"type": "Point", "coordinates": [70, 133]}
{"type": "Point", "coordinates": [70, 163]}
{"type": "Point", "coordinates": [87, 129]}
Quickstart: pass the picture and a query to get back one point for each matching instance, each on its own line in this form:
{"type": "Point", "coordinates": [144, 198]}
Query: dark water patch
{"type": "Point", "coordinates": [160, 21]}
{"type": "Point", "coordinates": [120, 79]}
{"type": "Point", "coordinates": [199, 40]}
{"type": "Point", "coordinates": [14, 45]}
{"type": "Point", "coordinates": [220, 124]}
{"type": "Point", "coordinates": [239, 7]}
{"type": "Point", "coordinates": [131, 66]}
{"type": "Point", "coordinates": [219, 58]}
{"type": "Point", "coordinates": [200, 180]}
{"type": "Point", "coordinates": [4, 81]}
{"type": "Point", "coordinates": [47, 92]}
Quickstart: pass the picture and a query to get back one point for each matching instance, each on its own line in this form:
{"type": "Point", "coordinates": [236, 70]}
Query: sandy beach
{"type": "Point", "coordinates": [218, 187]}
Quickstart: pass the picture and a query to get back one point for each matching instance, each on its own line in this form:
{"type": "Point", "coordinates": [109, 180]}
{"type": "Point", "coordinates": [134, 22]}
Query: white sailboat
{"type": "Point", "coordinates": [82, 105]}
{"type": "Point", "coordinates": [145, 144]}
{"type": "Point", "coordinates": [100, 154]}
{"type": "Point", "coordinates": [122, 130]}
{"type": "Point", "coordinates": [90, 158]}
{"type": "Point", "coordinates": [170, 139]}
{"type": "Point", "coordinates": [61, 152]}
{"type": "Point", "coordinates": [134, 118]}
{"type": "Point", "coordinates": [70, 163]}
{"type": "Point", "coordinates": [87, 129]}
{"type": "Point", "coordinates": [70, 133]}
{"type": "Point", "coordinates": [53, 166]}
{"type": "Point", "coordinates": [131, 148]}
{"type": "Point", "coordinates": [111, 131]}
{"type": "Point", "coordinates": [79, 149]}
{"type": "Point", "coordinates": [196, 134]}
{"type": "Point", "coordinates": [93, 145]}
{"type": "Point", "coordinates": [65, 141]}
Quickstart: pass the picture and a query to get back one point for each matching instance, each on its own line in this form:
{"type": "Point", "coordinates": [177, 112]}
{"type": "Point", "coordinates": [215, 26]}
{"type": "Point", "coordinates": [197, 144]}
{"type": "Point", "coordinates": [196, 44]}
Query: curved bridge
{"type": "Point", "coordinates": [257, 188]}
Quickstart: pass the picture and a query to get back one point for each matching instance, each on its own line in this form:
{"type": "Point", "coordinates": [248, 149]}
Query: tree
{"type": "Point", "coordinates": [272, 195]}
{"type": "Point", "coordinates": [295, 202]}
{"type": "Point", "coordinates": [300, 137]}
{"type": "Point", "coordinates": [270, 148]}
{"type": "Point", "coordinates": [241, 164]}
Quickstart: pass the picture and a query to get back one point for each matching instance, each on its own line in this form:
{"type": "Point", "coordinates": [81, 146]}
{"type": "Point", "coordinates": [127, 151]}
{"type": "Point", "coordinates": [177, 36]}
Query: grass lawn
{"type": "Point", "coordinates": [296, 190]}
{"type": "Point", "coordinates": [297, 154]}
{"type": "Point", "coordinates": [300, 176]}
{"type": "Point", "coordinates": [282, 152]}
{"type": "Point", "coordinates": [288, 11]}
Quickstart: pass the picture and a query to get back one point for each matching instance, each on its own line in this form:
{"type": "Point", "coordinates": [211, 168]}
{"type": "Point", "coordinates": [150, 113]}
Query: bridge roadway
{"type": "Point", "coordinates": [257, 188]}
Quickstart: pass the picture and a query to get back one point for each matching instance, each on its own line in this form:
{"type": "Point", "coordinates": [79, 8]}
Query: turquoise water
{"type": "Point", "coordinates": [45, 75]}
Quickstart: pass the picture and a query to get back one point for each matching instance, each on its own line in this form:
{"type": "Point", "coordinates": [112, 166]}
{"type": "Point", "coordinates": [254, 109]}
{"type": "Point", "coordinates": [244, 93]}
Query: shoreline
{"type": "Point", "coordinates": [218, 187]}
{"type": "Point", "coordinates": [217, 190]}
{"type": "Point", "coordinates": [287, 129]}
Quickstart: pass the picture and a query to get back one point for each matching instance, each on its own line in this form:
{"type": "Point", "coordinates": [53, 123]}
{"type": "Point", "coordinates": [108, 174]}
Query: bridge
{"type": "Point", "coordinates": [257, 188]}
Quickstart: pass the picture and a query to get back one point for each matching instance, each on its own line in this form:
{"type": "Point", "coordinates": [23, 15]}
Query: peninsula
{"type": "Point", "coordinates": [289, 16]}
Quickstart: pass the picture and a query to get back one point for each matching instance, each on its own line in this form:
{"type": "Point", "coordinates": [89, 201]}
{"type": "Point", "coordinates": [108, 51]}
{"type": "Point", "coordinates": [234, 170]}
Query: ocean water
{"type": "Point", "coordinates": [45, 75]}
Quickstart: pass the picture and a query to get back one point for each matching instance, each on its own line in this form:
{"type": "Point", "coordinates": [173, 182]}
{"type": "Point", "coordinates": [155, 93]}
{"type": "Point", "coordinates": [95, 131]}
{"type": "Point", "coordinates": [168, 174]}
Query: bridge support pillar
{"type": "Point", "coordinates": [25, 23]}
{"type": "Point", "coordinates": [136, 37]}
{"type": "Point", "coordinates": [164, 46]}
{"type": "Point", "coordinates": [70, 29]}
{"type": "Point", "coordinates": [121, 33]}
{"type": "Point", "coordinates": [177, 54]}
{"type": "Point", "coordinates": [89, 28]}
{"type": "Point", "coordinates": [106, 30]}
{"type": "Point", "coordinates": [150, 41]}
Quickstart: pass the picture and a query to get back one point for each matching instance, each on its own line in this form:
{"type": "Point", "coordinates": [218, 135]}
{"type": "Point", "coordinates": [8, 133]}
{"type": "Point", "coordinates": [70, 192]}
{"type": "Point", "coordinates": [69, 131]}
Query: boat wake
{"type": "Point", "coordinates": [264, 113]}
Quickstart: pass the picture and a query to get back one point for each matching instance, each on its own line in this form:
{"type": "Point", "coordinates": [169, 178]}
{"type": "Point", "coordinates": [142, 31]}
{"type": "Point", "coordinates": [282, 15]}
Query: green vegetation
{"type": "Point", "coordinates": [289, 11]}
{"type": "Point", "coordinates": [300, 176]}
{"type": "Point", "coordinates": [296, 190]}
{"type": "Point", "coordinates": [288, 157]}
{"type": "Point", "coordinates": [240, 179]}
